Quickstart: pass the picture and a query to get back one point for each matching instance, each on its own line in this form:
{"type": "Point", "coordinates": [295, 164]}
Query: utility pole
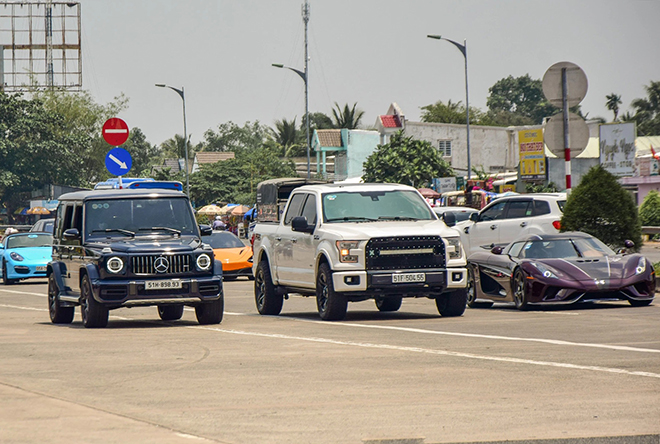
{"type": "Point", "coordinates": [305, 17]}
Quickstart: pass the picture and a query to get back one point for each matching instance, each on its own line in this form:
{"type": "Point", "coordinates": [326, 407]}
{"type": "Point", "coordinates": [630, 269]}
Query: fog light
{"type": "Point", "coordinates": [457, 276]}
{"type": "Point", "coordinates": [352, 280]}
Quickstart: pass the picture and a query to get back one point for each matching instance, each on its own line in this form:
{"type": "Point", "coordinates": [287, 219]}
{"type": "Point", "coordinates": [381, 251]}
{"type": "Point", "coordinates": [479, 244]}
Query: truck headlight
{"type": "Point", "coordinates": [114, 265]}
{"type": "Point", "coordinates": [203, 262]}
{"type": "Point", "coordinates": [454, 247]}
{"type": "Point", "coordinates": [344, 248]}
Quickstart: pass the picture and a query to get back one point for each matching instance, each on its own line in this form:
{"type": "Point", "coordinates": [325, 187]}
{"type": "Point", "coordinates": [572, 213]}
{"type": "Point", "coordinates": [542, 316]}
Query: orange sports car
{"type": "Point", "coordinates": [236, 257]}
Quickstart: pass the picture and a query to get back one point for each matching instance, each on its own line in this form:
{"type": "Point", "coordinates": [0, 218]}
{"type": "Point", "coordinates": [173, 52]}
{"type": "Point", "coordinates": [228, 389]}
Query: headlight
{"type": "Point", "coordinates": [547, 271]}
{"type": "Point", "coordinates": [454, 247]}
{"type": "Point", "coordinates": [15, 256]}
{"type": "Point", "coordinates": [641, 266]}
{"type": "Point", "coordinates": [114, 265]}
{"type": "Point", "coordinates": [344, 248]}
{"type": "Point", "coordinates": [204, 262]}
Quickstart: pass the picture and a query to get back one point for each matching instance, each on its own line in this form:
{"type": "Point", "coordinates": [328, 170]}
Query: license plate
{"type": "Point", "coordinates": [400, 278]}
{"type": "Point", "coordinates": [162, 285]}
{"type": "Point", "coordinates": [41, 268]}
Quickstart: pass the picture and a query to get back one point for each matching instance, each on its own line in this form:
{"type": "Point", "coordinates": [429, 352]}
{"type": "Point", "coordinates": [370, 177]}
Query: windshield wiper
{"type": "Point", "coordinates": [171, 230]}
{"type": "Point", "coordinates": [118, 230]}
{"type": "Point", "coordinates": [351, 219]}
{"type": "Point", "coordinates": [397, 218]}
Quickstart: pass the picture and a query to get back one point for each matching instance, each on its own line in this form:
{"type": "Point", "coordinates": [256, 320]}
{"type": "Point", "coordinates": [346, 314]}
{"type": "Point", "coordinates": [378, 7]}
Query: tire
{"type": "Point", "coordinates": [94, 315]}
{"type": "Point", "coordinates": [332, 306]}
{"type": "Point", "coordinates": [389, 304]}
{"type": "Point", "coordinates": [518, 290]}
{"type": "Point", "coordinates": [170, 312]}
{"type": "Point", "coordinates": [5, 279]}
{"type": "Point", "coordinates": [640, 303]}
{"type": "Point", "coordinates": [210, 312]}
{"type": "Point", "coordinates": [452, 303]}
{"type": "Point", "coordinates": [58, 314]}
{"type": "Point", "coordinates": [267, 300]}
{"type": "Point", "coordinates": [472, 301]}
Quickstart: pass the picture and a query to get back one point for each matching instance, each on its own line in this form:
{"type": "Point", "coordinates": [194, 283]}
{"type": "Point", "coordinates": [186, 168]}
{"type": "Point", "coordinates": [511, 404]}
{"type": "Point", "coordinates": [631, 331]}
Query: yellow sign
{"type": "Point", "coordinates": [532, 154]}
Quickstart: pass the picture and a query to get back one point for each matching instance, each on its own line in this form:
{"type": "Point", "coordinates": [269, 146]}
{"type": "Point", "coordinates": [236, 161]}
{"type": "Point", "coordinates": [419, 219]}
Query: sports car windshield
{"type": "Point", "coordinates": [138, 217]}
{"type": "Point", "coordinates": [565, 248]}
{"type": "Point", "coordinates": [29, 240]}
{"type": "Point", "coordinates": [369, 206]}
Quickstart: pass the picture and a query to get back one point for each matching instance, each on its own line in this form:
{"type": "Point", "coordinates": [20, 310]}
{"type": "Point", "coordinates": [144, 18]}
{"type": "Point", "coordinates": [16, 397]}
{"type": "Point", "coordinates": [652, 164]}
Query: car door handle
{"type": "Point", "coordinates": [278, 238]}
{"type": "Point", "coordinates": [523, 224]}
{"type": "Point", "coordinates": [492, 227]}
{"type": "Point", "coordinates": [294, 240]}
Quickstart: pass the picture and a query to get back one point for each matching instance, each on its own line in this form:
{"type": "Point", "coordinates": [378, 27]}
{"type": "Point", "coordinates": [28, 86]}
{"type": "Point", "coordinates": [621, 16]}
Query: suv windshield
{"type": "Point", "coordinates": [374, 205]}
{"type": "Point", "coordinates": [138, 217]}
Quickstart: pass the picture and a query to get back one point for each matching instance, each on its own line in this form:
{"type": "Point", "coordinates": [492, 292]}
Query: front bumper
{"type": "Point", "coordinates": [22, 270]}
{"type": "Point", "coordinates": [552, 292]}
{"type": "Point", "coordinates": [129, 293]}
{"type": "Point", "coordinates": [379, 282]}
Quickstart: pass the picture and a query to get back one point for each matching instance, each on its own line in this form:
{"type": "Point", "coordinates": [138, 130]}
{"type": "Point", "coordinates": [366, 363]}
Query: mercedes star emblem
{"type": "Point", "coordinates": [161, 264]}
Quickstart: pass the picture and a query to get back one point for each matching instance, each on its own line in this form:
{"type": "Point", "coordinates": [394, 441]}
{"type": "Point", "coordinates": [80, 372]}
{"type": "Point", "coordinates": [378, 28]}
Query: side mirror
{"type": "Point", "coordinates": [474, 217]}
{"type": "Point", "coordinates": [497, 250]}
{"type": "Point", "coordinates": [299, 223]}
{"type": "Point", "coordinates": [449, 218]}
{"type": "Point", "coordinates": [628, 243]}
{"type": "Point", "coordinates": [206, 230]}
{"type": "Point", "coordinates": [72, 234]}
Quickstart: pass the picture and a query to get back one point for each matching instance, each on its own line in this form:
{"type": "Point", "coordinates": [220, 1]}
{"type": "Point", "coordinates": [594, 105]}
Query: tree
{"type": "Point", "coordinates": [452, 112]}
{"type": "Point", "coordinates": [290, 138]}
{"type": "Point", "coordinates": [647, 111]}
{"type": "Point", "coordinates": [649, 212]}
{"type": "Point", "coordinates": [348, 117]}
{"type": "Point", "coordinates": [601, 207]}
{"type": "Point", "coordinates": [144, 154]}
{"type": "Point", "coordinates": [406, 161]}
{"type": "Point", "coordinates": [231, 137]}
{"type": "Point", "coordinates": [176, 148]}
{"type": "Point", "coordinates": [613, 102]}
{"type": "Point", "coordinates": [520, 96]}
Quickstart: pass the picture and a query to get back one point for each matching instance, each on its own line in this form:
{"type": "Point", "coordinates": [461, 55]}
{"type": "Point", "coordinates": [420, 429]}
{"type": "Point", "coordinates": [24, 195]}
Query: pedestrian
{"type": "Point", "coordinates": [8, 231]}
{"type": "Point", "coordinates": [218, 224]}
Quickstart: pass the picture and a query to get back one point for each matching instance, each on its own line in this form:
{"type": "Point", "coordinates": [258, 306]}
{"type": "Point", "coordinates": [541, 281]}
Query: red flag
{"type": "Point", "coordinates": [656, 156]}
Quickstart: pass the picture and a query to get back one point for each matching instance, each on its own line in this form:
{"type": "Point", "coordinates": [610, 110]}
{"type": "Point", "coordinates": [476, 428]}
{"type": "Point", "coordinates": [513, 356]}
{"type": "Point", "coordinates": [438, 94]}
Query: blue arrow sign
{"type": "Point", "coordinates": [118, 161]}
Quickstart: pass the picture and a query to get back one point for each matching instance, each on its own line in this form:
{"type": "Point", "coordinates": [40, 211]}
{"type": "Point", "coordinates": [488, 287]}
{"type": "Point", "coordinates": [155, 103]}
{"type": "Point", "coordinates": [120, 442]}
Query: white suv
{"type": "Point", "coordinates": [507, 218]}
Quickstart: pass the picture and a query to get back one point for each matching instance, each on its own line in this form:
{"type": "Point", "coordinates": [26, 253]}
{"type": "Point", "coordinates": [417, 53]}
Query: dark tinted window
{"type": "Point", "coordinates": [494, 212]}
{"type": "Point", "coordinates": [519, 208]}
{"type": "Point", "coordinates": [541, 207]}
{"type": "Point", "coordinates": [294, 207]}
{"type": "Point", "coordinates": [560, 204]}
{"type": "Point", "coordinates": [224, 239]}
{"type": "Point", "coordinates": [309, 210]}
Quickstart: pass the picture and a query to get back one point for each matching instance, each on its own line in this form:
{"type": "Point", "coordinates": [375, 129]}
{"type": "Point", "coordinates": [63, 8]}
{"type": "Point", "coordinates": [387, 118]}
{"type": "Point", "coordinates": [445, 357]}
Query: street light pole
{"type": "Point", "coordinates": [303, 75]}
{"type": "Point", "coordinates": [463, 49]}
{"type": "Point", "coordinates": [180, 92]}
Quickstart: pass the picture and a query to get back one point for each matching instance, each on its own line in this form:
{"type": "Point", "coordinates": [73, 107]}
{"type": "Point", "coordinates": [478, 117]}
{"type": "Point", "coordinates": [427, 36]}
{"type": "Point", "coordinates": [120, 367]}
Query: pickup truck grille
{"type": "Point", "coordinates": [160, 264]}
{"type": "Point", "coordinates": [405, 253]}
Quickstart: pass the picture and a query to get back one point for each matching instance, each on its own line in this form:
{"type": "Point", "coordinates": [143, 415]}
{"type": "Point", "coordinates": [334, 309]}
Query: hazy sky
{"type": "Point", "coordinates": [373, 52]}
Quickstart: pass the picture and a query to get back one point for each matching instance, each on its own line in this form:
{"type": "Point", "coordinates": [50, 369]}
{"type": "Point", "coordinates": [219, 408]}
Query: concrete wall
{"type": "Point", "coordinates": [361, 144]}
{"type": "Point", "coordinates": [579, 167]}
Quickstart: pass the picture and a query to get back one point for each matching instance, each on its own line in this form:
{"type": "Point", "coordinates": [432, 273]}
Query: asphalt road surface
{"type": "Point", "coordinates": [412, 376]}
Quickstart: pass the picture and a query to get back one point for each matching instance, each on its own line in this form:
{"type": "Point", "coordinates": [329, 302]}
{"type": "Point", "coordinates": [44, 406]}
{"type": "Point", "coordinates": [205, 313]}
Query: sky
{"type": "Point", "coordinates": [369, 52]}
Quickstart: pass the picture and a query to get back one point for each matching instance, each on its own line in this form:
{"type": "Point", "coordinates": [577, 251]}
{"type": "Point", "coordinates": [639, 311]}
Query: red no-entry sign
{"type": "Point", "coordinates": [115, 131]}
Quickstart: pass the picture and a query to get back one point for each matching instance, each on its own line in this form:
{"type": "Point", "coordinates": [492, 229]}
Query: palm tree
{"type": "Point", "coordinates": [175, 147]}
{"type": "Point", "coordinates": [288, 136]}
{"type": "Point", "coordinates": [613, 102]}
{"type": "Point", "coordinates": [348, 117]}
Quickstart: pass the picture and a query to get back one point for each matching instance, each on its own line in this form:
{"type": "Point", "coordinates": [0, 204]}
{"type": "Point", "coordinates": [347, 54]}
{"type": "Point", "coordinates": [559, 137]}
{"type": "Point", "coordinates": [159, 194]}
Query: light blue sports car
{"type": "Point", "coordinates": [25, 255]}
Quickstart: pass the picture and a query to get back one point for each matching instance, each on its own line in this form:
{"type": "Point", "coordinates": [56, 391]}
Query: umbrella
{"type": "Point", "coordinates": [429, 193]}
{"type": "Point", "coordinates": [210, 210]}
{"type": "Point", "coordinates": [239, 210]}
{"type": "Point", "coordinates": [250, 214]}
{"type": "Point", "coordinates": [38, 210]}
{"type": "Point", "coordinates": [227, 208]}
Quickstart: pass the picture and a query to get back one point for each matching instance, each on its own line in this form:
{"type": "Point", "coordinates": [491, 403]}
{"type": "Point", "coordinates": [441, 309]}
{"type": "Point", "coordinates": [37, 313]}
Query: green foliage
{"type": "Point", "coordinates": [521, 96]}
{"type": "Point", "coordinates": [290, 138]}
{"type": "Point", "coordinates": [647, 111]}
{"type": "Point", "coordinates": [541, 188]}
{"type": "Point", "coordinates": [231, 137]}
{"type": "Point", "coordinates": [601, 207]}
{"type": "Point", "coordinates": [612, 103]}
{"type": "Point", "coordinates": [649, 212]}
{"type": "Point", "coordinates": [142, 152]}
{"type": "Point", "coordinates": [348, 117]}
{"type": "Point", "coordinates": [406, 161]}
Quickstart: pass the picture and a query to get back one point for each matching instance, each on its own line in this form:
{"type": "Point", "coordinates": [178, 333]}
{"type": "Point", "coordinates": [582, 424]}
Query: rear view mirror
{"type": "Point", "coordinates": [449, 218]}
{"type": "Point", "coordinates": [474, 217]}
{"type": "Point", "coordinates": [299, 223]}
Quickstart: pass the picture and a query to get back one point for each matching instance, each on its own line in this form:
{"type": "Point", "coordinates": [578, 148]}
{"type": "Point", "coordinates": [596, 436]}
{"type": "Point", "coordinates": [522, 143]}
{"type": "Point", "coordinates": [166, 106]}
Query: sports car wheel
{"type": "Point", "coordinates": [58, 314]}
{"type": "Point", "coordinates": [472, 292]}
{"type": "Point", "coordinates": [5, 279]}
{"type": "Point", "coordinates": [518, 287]}
{"type": "Point", "coordinates": [268, 301]}
{"type": "Point", "coordinates": [388, 304]}
{"type": "Point", "coordinates": [332, 306]}
{"type": "Point", "coordinates": [94, 315]}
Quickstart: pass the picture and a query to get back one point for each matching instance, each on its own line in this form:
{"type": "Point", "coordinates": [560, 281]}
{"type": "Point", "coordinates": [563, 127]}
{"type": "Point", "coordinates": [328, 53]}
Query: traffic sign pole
{"type": "Point", "coordinates": [567, 148]}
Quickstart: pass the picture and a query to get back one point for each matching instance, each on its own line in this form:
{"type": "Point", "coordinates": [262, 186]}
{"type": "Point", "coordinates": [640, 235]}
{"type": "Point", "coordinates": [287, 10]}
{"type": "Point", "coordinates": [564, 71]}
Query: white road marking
{"type": "Point", "coordinates": [434, 352]}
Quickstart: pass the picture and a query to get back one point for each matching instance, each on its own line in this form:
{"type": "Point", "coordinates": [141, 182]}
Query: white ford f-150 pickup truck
{"type": "Point", "coordinates": [351, 242]}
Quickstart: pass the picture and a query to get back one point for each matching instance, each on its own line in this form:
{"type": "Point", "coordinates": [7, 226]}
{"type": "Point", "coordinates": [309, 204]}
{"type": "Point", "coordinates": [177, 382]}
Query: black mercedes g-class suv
{"type": "Point", "coordinates": [127, 248]}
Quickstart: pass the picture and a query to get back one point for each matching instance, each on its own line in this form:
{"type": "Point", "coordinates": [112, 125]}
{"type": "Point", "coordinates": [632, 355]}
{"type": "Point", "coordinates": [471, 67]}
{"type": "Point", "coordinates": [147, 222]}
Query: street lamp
{"type": "Point", "coordinates": [185, 132]}
{"type": "Point", "coordinates": [303, 75]}
{"type": "Point", "coordinates": [463, 49]}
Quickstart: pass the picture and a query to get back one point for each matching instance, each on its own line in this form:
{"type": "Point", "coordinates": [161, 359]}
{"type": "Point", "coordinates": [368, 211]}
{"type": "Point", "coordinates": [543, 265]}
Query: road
{"type": "Point", "coordinates": [492, 374]}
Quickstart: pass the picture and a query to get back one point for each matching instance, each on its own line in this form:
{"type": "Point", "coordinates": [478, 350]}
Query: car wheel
{"type": "Point", "coordinates": [210, 312]}
{"type": "Point", "coordinates": [519, 292]}
{"type": "Point", "coordinates": [58, 314]}
{"type": "Point", "coordinates": [452, 303]}
{"type": "Point", "coordinates": [640, 303]}
{"type": "Point", "coordinates": [332, 306]}
{"type": "Point", "coordinates": [389, 304]}
{"type": "Point", "coordinates": [472, 301]}
{"type": "Point", "coordinates": [170, 312]}
{"type": "Point", "coordinates": [94, 315]}
{"type": "Point", "coordinates": [265, 296]}
{"type": "Point", "coordinates": [5, 279]}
